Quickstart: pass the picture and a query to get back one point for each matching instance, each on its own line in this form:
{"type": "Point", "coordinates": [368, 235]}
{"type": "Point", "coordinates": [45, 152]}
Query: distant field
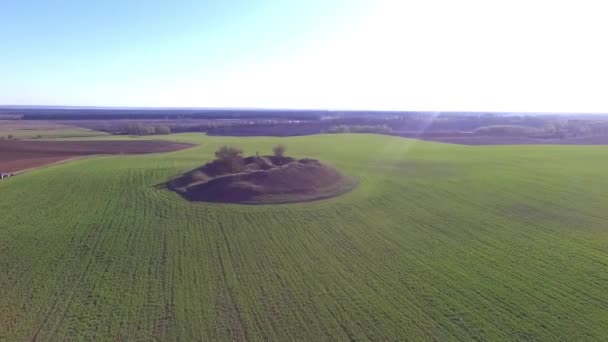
{"type": "Point", "coordinates": [18, 155]}
{"type": "Point", "coordinates": [438, 242]}
{"type": "Point", "coordinates": [488, 140]}
{"type": "Point", "coordinates": [43, 130]}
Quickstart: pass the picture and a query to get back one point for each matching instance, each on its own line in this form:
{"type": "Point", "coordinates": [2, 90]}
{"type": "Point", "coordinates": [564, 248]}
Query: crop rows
{"type": "Point", "coordinates": [438, 242]}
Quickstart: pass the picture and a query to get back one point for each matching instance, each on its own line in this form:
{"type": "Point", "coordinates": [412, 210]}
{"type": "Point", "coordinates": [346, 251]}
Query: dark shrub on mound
{"type": "Point", "coordinates": [279, 150]}
{"type": "Point", "coordinates": [280, 160]}
{"type": "Point", "coordinates": [228, 160]}
{"type": "Point", "coordinates": [228, 152]}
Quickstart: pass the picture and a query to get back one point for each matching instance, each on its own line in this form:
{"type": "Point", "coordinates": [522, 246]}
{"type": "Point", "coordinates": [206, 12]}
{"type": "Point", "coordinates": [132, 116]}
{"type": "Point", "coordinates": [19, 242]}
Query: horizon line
{"type": "Point", "coordinates": [151, 108]}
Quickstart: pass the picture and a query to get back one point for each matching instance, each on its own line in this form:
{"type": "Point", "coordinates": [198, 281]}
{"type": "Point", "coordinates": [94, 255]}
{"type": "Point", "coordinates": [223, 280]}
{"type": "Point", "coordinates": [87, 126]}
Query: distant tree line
{"type": "Point", "coordinates": [508, 130]}
{"type": "Point", "coordinates": [286, 123]}
{"type": "Point", "coordinates": [143, 129]}
{"type": "Point", "coordinates": [378, 129]}
{"type": "Point", "coordinates": [551, 130]}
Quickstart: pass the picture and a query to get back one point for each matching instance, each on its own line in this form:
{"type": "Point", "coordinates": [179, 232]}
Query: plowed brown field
{"type": "Point", "coordinates": [16, 155]}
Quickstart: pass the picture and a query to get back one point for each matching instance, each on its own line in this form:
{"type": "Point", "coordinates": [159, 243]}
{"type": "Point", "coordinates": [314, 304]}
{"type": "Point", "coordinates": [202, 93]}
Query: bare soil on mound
{"type": "Point", "coordinates": [16, 155]}
{"type": "Point", "coordinates": [263, 180]}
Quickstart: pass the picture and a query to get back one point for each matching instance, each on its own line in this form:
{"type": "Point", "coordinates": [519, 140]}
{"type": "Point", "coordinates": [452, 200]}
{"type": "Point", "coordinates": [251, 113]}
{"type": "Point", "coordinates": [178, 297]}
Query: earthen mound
{"type": "Point", "coordinates": [262, 180]}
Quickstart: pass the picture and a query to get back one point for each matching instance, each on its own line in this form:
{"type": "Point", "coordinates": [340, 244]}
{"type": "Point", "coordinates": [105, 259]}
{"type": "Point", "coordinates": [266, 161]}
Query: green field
{"type": "Point", "coordinates": [438, 242]}
{"type": "Point", "coordinates": [50, 134]}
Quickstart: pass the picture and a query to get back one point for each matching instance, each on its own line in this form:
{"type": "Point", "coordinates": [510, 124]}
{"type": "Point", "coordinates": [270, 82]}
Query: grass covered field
{"type": "Point", "coordinates": [35, 129]}
{"type": "Point", "coordinates": [437, 242]}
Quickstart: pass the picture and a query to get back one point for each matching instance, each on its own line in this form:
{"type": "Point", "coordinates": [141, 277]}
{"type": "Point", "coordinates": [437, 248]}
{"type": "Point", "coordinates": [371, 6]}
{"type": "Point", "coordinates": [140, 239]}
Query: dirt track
{"type": "Point", "coordinates": [16, 155]}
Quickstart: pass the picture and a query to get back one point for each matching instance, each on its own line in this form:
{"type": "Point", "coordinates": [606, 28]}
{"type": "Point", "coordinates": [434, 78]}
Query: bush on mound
{"type": "Point", "coordinates": [262, 179]}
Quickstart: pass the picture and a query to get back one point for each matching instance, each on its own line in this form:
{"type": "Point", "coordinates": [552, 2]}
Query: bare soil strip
{"type": "Point", "coordinates": [18, 155]}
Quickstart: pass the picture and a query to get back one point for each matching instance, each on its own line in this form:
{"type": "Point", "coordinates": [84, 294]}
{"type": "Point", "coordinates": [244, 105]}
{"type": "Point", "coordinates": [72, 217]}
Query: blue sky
{"type": "Point", "coordinates": [408, 55]}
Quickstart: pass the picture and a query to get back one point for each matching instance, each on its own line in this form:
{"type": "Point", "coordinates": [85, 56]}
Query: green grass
{"type": "Point", "coordinates": [438, 242]}
{"type": "Point", "coordinates": [39, 129]}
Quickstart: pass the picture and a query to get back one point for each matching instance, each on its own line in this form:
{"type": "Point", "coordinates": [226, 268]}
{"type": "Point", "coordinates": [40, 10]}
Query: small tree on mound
{"type": "Point", "coordinates": [231, 158]}
{"type": "Point", "coordinates": [228, 152]}
{"type": "Point", "coordinates": [279, 150]}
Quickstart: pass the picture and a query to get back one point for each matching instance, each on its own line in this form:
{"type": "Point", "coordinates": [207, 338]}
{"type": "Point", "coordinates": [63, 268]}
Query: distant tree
{"type": "Point", "coordinates": [279, 150]}
{"type": "Point", "coordinates": [134, 129]}
{"type": "Point", "coordinates": [378, 129]}
{"type": "Point", "coordinates": [148, 130]}
{"type": "Point", "coordinates": [549, 129]}
{"type": "Point", "coordinates": [105, 127]}
{"type": "Point", "coordinates": [139, 129]}
{"type": "Point", "coordinates": [10, 137]}
{"type": "Point", "coordinates": [508, 131]}
{"type": "Point", "coordinates": [162, 129]}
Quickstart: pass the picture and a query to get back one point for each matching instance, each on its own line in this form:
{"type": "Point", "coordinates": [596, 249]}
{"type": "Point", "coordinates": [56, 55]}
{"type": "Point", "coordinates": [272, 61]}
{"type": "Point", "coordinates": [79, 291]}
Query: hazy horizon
{"type": "Point", "coordinates": [253, 109]}
{"type": "Point", "coordinates": [473, 56]}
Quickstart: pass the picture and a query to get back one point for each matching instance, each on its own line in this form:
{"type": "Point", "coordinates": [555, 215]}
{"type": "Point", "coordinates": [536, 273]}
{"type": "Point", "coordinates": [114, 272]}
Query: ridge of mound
{"type": "Point", "coordinates": [262, 180]}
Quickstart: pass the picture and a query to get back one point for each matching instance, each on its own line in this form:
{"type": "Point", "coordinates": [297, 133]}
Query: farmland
{"type": "Point", "coordinates": [437, 242]}
{"type": "Point", "coordinates": [22, 129]}
{"type": "Point", "coordinates": [18, 155]}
